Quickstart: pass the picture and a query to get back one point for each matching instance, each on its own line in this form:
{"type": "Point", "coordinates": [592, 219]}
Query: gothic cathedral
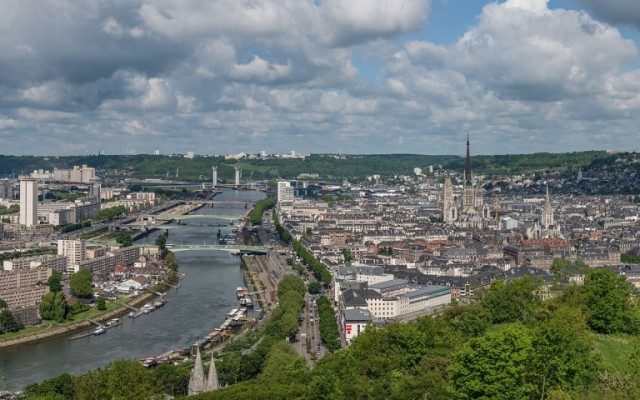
{"type": "Point", "coordinates": [471, 212]}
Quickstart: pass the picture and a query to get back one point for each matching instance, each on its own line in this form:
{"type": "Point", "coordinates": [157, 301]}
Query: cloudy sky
{"type": "Point", "coordinates": [350, 76]}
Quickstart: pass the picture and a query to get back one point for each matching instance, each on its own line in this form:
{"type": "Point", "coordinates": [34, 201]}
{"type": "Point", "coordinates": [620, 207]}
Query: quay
{"type": "Point", "coordinates": [73, 327]}
{"type": "Point", "coordinates": [93, 333]}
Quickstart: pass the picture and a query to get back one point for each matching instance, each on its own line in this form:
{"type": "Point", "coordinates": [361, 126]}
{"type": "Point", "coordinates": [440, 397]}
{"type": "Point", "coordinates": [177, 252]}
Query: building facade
{"type": "Point", "coordinates": [28, 202]}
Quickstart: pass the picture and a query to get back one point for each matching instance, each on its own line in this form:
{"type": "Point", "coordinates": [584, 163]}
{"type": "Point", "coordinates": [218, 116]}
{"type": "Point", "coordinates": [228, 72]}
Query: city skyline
{"type": "Point", "coordinates": [332, 76]}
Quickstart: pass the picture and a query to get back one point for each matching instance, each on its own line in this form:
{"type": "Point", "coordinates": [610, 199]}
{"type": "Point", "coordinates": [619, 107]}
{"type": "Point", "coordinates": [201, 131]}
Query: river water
{"type": "Point", "coordinates": [206, 295]}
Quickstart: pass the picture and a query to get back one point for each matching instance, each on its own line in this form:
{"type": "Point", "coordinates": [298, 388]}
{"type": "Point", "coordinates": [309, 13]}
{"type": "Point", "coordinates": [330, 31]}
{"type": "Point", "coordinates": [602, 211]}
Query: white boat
{"type": "Point", "coordinates": [113, 321]}
{"type": "Point", "coordinates": [100, 330]}
{"type": "Point", "coordinates": [147, 308]}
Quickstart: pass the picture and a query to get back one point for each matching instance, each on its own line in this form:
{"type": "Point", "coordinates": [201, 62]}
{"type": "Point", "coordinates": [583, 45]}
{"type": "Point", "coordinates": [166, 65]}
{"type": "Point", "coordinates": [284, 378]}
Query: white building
{"type": "Point", "coordinates": [28, 202]}
{"type": "Point", "coordinates": [508, 223]}
{"type": "Point", "coordinates": [238, 175]}
{"type": "Point", "coordinates": [54, 262]}
{"type": "Point", "coordinates": [395, 298]}
{"type": "Point", "coordinates": [285, 192]}
{"type": "Point", "coordinates": [74, 250]}
{"type": "Point", "coordinates": [82, 174]}
{"type": "Point", "coordinates": [355, 321]}
{"type": "Point", "coordinates": [62, 217]}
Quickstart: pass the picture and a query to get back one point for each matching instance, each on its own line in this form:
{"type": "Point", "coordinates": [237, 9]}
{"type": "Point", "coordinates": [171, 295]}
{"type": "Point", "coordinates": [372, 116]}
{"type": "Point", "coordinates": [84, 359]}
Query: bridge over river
{"type": "Point", "coordinates": [221, 247]}
{"type": "Point", "coordinates": [169, 217]}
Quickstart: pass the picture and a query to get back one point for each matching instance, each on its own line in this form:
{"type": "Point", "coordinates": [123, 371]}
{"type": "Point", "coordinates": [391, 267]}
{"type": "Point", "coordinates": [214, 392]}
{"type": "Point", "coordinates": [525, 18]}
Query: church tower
{"type": "Point", "coordinates": [547, 212]}
{"type": "Point", "coordinates": [469, 190]}
{"type": "Point", "coordinates": [448, 205]}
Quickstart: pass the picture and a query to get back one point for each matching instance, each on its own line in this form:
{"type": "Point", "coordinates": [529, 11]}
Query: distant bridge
{"type": "Point", "coordinates": [168, 217]}
{"type": "Point", "coordinates": [221, 202]}
{"type": "Point", "coordinates": [220, 247]}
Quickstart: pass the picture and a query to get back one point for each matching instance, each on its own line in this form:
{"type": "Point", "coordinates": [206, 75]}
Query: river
{"type": "Point", "coordinates": [206, 295]}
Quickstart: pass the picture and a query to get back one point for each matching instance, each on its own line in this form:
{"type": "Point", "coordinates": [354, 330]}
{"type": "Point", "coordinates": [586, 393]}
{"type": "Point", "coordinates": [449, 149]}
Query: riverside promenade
{"type": "Point", "coordinates": [67, 329]}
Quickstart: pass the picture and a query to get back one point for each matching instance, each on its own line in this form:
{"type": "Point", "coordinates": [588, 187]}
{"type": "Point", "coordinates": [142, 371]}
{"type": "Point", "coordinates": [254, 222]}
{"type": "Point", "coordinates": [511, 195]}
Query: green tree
{"type": "Point", "coordinates": [629, 258]}
{"type": "Point", "coordinates": [562, 356]}
{"type": "Point", "coordinates": [510, 301]}
{"type": "Point", "coordinates": [9, 322]}
{"type": "Point", "coordinates": [472, 320]}
{"type": "Point", "coordinates": [607, 298]}
{"type": "Point", "coordinates": [161, 242]}
{"type": "Point", "coordinates": [494, 366]}
{"type": "Point", "coordinates": [282, 363]}
{"type": "Point", "coordinates": [109, 213]}
{"type": "Point", "coordinates": [346, 254]}
{"type": "Point", "coordinates": [561, 269]}
{"type": "Point", "coordinates": [314, 287]}
{"type": "Point", "coordinates": [61, 385]}
{"type": "Point", "coordinates": [3, 304]}
{"type": "Point", "coordinates": [128, 380]}
{"type": "Point", "coordinates": [173, 380]}
{"type": "Point", "coordinates": [53, 306]}
{"type": "Point", "coordinates": [80, 283]}
{"type": "Point", "coordinates": [124, 239]}
{"type": "Point", "coordinates": [13, 209]}
{"type": "Point", "coordinates": [101, 303]}
{"type": "Point", "coordinates": [54, 282]}
{"type": "Point", "coordinates": [90, 386]}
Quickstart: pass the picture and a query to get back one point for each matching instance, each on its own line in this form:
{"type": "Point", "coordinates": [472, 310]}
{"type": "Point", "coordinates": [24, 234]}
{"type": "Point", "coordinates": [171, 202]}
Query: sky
{"type": "Point", "coordinates": [318, 76]}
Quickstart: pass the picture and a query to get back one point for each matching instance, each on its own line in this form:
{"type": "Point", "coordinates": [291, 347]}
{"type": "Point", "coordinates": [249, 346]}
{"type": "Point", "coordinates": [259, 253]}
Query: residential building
{"type": "Point", "coordinates": [74, 250]}
{"type": "Point", "coordinates": [285, 192]}
{"type": "Point", "coordinates": [28, 202]}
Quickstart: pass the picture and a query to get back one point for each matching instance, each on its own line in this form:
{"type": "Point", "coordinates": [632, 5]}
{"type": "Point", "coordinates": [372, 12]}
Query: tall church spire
{"type": "Point", "coordinates": [547, 212]}
{"type": "Point", "coordinates": [467, 166]}
{"type": "Point", "coordinates": [197, 383]}
{"type": "Point", "coordinates": [212, 379]}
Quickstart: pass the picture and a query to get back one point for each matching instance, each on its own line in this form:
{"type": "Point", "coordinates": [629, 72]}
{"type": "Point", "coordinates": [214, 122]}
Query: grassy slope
{"type": "Point", "coordinates": [615, 351]}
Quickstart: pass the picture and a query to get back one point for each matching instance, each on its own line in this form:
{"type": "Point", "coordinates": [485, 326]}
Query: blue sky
{"type": "Point", "coordinates": [320, 76]}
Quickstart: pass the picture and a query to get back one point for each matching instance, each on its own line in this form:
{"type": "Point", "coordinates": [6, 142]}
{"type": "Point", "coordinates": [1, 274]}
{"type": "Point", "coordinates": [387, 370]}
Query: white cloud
{"type": "Point", "coordinates": [284, 73]}
{"type": "Point", "coordinates": [261, 70]}
{"type": "Point", "coordinates": [523, 50]}
{"type": "Point", "coordinates": [354, 21]}
{"type": "Point", "coordinates": [7, 123]}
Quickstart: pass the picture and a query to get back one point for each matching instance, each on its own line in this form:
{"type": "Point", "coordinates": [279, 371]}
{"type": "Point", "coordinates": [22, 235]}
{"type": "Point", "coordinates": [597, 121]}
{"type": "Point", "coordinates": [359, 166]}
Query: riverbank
{"type": "Point", "coordinates": [73, 327]}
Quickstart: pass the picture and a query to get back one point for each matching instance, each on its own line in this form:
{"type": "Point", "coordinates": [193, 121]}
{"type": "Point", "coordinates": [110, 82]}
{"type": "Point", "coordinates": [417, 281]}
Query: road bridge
{"type": "Point", "coordinates": [221, 202]}
{"type": "Point", "coordinates": [219, 247]}
{"type": "Point", "coordinates": [168, 217]}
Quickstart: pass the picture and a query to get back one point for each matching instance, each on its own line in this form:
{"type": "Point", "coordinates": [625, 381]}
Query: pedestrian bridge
{"type": "Point", "coordinates": [233, 248]}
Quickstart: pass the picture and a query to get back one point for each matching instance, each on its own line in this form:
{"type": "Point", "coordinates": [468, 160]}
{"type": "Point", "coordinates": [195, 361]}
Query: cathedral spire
{"type": "Point", "coordinates": [467, 166]}
{"type": "Point", "coordinates": [212, 379]}
{"type": "Point", "coordinates": [197, 383]}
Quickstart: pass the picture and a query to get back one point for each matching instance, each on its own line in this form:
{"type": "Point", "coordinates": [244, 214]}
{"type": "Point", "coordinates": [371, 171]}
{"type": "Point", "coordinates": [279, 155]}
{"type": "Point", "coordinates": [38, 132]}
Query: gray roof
{"type": "Point", "coordinates": [376, 270]}
{"type": "Point", "coordinates": [429, 290]}
{"type": "Point", "coordinates": [392, 284]}
{"type": "Point", "coordinates": [357, 297]}
{"type": "Point", "coordinates": [357, 315]}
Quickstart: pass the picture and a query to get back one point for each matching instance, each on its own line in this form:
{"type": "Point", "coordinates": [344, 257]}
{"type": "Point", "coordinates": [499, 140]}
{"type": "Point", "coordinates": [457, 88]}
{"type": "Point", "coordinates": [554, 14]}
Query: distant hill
{"type": "Point", "coordinates": [326, 166]}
